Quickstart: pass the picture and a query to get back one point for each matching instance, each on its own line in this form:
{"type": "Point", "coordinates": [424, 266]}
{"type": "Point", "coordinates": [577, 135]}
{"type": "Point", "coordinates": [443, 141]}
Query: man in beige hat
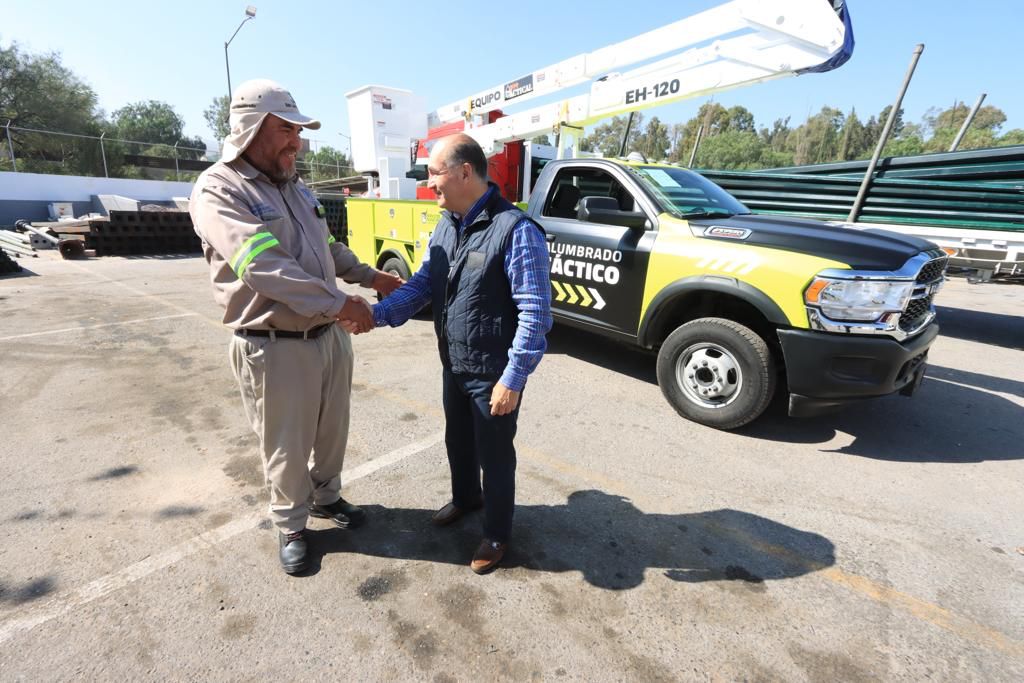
{"type": "Point", "coordinates": [273, 266]}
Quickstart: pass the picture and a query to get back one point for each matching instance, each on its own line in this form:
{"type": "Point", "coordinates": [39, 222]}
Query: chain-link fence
{"type": "Point", "coordinates": [29, 150]}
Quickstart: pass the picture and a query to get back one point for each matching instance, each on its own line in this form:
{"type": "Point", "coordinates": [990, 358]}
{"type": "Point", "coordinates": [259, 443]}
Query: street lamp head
{"type": "Point", "coordinates": [250, 11]}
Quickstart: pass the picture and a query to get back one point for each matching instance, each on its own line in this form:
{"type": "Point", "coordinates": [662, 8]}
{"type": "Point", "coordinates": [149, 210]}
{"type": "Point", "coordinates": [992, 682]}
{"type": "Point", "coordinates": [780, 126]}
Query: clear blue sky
{"type": "Point", "coordinates": [174, 51]}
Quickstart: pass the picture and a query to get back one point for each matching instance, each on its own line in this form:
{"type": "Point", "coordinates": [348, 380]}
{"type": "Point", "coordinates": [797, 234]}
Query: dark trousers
{"type": "Point", "coordinates": [476, 441]}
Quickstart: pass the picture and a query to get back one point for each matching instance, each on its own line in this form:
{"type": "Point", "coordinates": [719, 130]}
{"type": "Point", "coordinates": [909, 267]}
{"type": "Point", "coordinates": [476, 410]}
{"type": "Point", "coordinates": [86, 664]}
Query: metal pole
{"type": "Point", "coordinates": [967, 123]}
{"type": "Point", "coordinates": [696, 144]}
{"type": "Point", "coordinates": [177, 175]}
{"type": "Point", "coordinates": [10, 146]}
{"type": "Point", "coordinates": [625, 137]}
{"type": "Point", "coordinates": [103, 152]}
{"type": "Point", "coordinates": [863, 191]}
{"type": "Point", "coordinates": [227, 66]}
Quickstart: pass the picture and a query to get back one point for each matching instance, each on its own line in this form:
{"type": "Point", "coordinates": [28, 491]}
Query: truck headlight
{"type": "Point", "coordinates": [857, 300]}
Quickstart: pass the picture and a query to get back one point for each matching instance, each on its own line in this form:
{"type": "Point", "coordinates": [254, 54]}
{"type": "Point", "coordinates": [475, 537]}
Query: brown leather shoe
{"type": "Point", "coordinates": [487, 556]}
{"type": "Point", "coordinates": [449, 513]}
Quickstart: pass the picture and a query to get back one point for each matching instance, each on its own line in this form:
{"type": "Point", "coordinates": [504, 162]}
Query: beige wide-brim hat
{"type": "Point", "coordinates": [251, 103]}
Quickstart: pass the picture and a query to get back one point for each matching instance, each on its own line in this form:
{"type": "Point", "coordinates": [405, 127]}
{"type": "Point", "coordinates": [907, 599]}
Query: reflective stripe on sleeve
{"type": "Point", "coordinates": [330, 239]}
{"type": "Point", "coordinates": [253, 247]}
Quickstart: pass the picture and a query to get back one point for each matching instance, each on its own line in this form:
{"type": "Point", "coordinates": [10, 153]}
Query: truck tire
{"type": "Point", "coordinates": [716, 372]}
{"type": "Point", "coordinates": [395, 266]}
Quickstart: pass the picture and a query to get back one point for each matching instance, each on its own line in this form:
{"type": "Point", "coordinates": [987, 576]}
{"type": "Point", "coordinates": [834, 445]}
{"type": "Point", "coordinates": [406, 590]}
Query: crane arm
{"type": "Point", "coordinates": [736, 44]}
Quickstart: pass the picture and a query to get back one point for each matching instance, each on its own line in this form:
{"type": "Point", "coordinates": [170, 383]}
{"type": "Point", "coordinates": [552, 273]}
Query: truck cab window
{"type": "Point", "coordinates": [574, 184]}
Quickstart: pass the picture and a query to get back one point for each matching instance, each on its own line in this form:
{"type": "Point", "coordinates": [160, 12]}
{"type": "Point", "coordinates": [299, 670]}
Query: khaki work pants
{"type": "Point", "coordinates": [296, 397]}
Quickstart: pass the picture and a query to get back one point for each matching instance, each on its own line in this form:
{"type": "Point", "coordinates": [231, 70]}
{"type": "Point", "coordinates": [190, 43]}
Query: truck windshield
{"type": "Point", "coordinates": [686, 194]}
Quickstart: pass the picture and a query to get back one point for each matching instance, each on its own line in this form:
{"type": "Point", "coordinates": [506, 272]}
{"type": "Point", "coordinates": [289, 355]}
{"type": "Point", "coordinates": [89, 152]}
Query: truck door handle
{"type": "Point", "coordinates": [549, 238]}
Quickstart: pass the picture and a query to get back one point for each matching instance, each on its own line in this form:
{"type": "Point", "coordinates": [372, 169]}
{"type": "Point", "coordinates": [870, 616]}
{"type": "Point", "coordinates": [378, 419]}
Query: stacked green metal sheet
{"type": "Point", "coordinates": [979, 189]}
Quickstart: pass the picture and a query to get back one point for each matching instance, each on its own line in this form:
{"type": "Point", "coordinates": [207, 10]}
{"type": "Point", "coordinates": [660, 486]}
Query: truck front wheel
{"type": "Point", "coordinates": [716, 372]}
{"type": "Point", "coordinates": [395, 266]}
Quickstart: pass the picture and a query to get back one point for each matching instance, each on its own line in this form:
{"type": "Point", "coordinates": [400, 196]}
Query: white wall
{"type": "Point", "coordinates": [63, 188]}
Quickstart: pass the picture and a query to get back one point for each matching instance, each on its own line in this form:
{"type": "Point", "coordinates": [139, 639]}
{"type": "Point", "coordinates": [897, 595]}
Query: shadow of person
{"type": "Point", "coordinates": [605, 537]}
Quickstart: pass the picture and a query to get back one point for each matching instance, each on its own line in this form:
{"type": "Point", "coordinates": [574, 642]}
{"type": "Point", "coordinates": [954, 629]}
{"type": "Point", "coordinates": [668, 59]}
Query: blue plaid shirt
{"type": "Point", "coordinates": [526, 265]}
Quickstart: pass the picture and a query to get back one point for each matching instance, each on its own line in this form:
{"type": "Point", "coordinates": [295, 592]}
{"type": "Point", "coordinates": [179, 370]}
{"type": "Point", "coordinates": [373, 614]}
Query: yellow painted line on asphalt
{"type": "Point", "coordinates": [66, 330]}
{"type": "Point", "coordinates": [925, 611]}
{"type": "Point", "coordinates": [37, 615]}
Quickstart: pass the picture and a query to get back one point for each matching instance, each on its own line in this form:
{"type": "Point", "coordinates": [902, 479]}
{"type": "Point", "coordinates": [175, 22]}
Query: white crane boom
{"type": "Point", "coordinates": [739, 43]}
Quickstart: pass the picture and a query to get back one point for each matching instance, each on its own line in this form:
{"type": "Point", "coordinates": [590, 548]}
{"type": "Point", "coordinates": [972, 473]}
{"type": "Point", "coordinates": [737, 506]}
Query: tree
{"type": "Point", "coordinates": [853, 139]}
{"type": "Point", "coordinates": [715, 120]}
{"type": "Point", "coordinates": [156, 123]}
{"type": "Point", "coordinates": [943, 126]}
{"type": "Point", "coordinates": [38, 92]}
{"type": "Point", "coordinates": [654, 143]}
{"type": "Point", "coordinates": [731, 149]}
{"type": "Point", "coordinates": [326, 163]}
{"type": "Point", "coordinates": [216, 116]}
{"type": "Point", "coordinates": [607, 137]}
{"type": "Point", "coordinates": [817, 140]}
{"type": "Point", "coordinates": [774, 140]}
{"type": "Point", "coordinates": [1012, 137]}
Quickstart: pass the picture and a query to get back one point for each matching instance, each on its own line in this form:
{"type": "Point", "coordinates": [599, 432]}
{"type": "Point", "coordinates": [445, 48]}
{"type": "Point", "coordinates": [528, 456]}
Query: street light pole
{"type": "Point", "coordinates": [250, 12]}
{"type": "Point", "coordinates": [349, 155]}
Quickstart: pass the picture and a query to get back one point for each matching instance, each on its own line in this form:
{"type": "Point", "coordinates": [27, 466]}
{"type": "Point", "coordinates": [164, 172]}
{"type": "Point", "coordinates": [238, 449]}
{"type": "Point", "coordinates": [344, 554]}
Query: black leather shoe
{"type": "Point", "coordinates": [451, 513]}
{"type": "Point", "coordinates": [294, 552]}
{"type": "Point", "coordinates": [341, 513]}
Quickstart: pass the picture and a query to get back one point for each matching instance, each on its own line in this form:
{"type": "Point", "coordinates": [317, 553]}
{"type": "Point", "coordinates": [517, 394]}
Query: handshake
{"type": "Point", "coordinates": [356, 316]}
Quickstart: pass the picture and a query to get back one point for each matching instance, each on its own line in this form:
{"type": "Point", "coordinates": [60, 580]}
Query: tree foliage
{"type": "Point", "coordinates": [56, 123]}
{"type": "Point", "coordinates": [216, 116]}
{"type": "Point", "coordinates": [156, 123]}
{"type": "Point", "coordinates": [37, 92]}
{"type": "Point", "coordinates": [606, 139]}
{"type": "Point", "coordinates": [327, 163]}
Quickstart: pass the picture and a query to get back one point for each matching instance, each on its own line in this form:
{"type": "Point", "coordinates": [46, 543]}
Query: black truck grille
{"type": "Point", "coordinates": [915, 313]}
{"type": "Point", "coordinates": [933, 270]}
{"type": "Point", "coordinates": [920, 307]}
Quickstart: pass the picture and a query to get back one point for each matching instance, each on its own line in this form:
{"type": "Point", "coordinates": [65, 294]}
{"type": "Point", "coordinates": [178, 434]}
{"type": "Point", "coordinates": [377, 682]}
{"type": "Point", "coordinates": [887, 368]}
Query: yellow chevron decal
{"type": "Point", "coordinates": [587, 297]}
{"type": "Point", "coordinates": [572, 293]}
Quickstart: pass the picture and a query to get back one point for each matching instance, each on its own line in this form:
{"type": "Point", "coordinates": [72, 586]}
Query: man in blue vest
{"type": "Point", "coordinates": [486, 276]}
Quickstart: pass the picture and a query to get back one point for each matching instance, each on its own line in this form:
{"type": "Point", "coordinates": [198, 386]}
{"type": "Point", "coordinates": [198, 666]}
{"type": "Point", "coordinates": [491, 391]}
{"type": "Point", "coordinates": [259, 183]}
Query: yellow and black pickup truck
{"type": "Point", "coordinates": [737, 305]}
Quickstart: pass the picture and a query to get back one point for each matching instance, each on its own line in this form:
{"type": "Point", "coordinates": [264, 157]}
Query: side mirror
{"type": "Point", "coordinates": [605, 210]}
{"type": "Point", "coordinates": [418, 173]}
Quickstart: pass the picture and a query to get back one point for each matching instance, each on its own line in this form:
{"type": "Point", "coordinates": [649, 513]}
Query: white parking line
{"type": "Point", "coordinates": [106, 585]}
{"type": "Point", "coordinates": [65, 330]}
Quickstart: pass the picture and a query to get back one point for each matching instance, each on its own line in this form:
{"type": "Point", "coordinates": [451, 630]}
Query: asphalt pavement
{"type": "Point", "coordinates": [881, 543]}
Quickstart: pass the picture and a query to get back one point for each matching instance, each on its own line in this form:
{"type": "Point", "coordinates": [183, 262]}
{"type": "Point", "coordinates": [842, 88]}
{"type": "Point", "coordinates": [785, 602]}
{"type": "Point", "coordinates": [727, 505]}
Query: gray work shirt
{"type": "Point", "coordinates": [273, 262]}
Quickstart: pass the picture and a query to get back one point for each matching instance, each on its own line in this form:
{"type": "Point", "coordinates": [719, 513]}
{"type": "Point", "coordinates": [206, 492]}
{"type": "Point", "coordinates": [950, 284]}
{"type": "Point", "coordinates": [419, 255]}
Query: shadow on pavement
{"type": "Point", "coordinates": [997, 329]}
{"type": "Point", "coordinates": [604, 537]}
{"type": "Point", "coordinates": [24, 272]}
{"type": "Point", "coordinates": [952, 418]}
{"type": "Point", "coordinates": [607, 353]}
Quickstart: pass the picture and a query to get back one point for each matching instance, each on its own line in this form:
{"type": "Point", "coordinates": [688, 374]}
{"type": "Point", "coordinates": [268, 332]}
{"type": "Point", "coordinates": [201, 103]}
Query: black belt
{"type": "Point", "coordinates": [286, 334]}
